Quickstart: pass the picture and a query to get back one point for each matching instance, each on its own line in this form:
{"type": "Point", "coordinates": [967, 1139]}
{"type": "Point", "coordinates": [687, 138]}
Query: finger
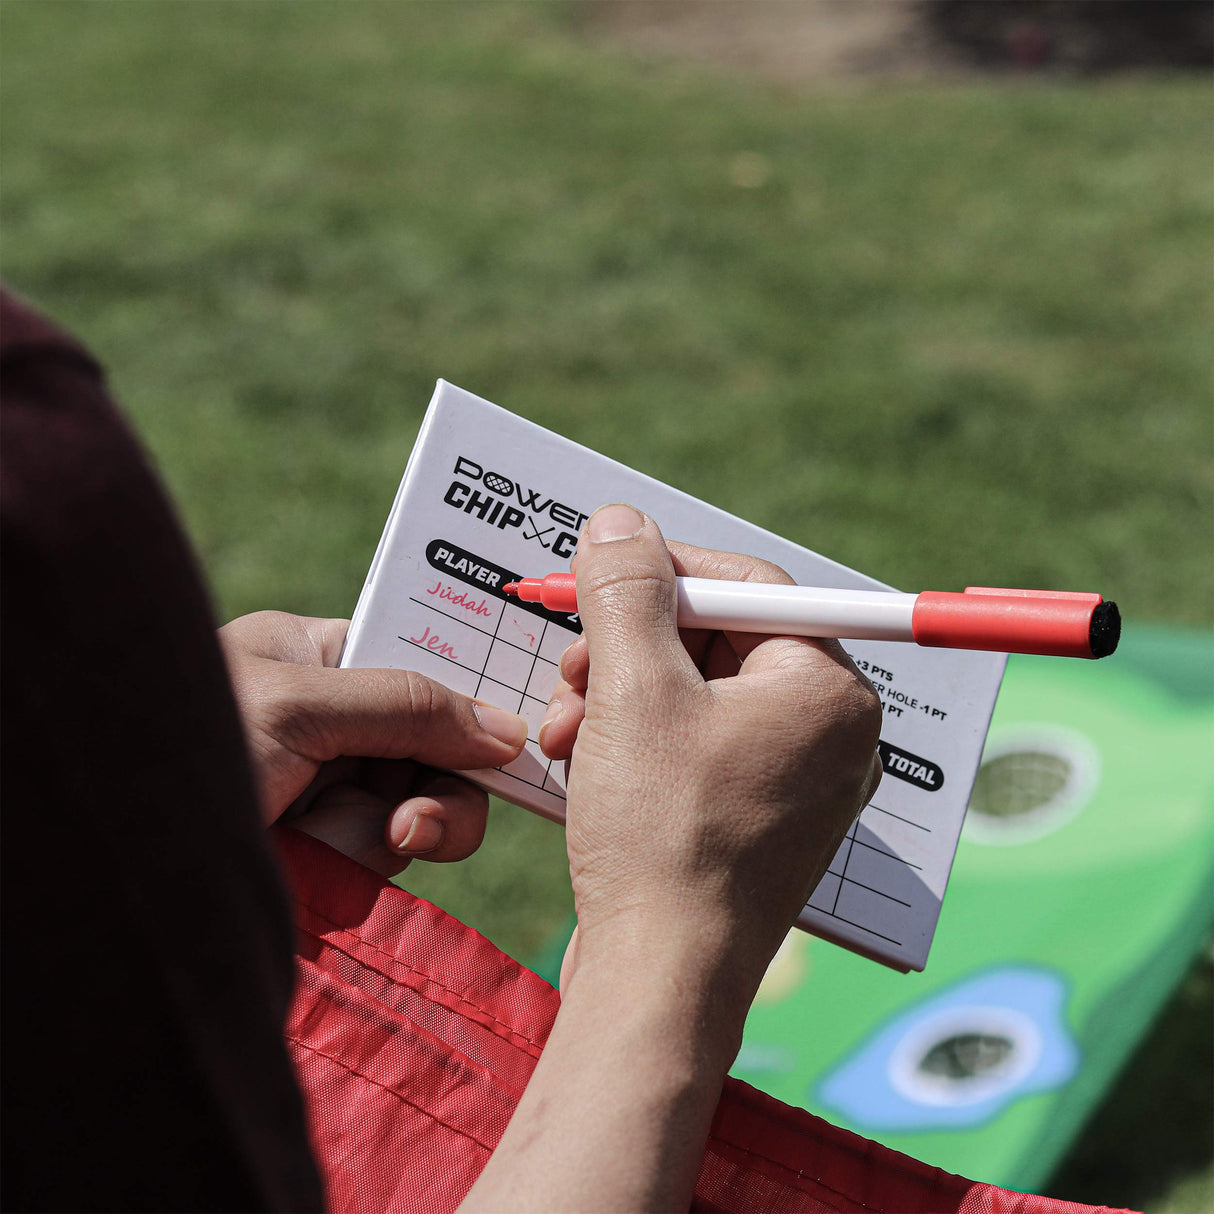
{"type": "Point", "coordinates": [690, 561]}
{"type": "Point", "coordinates": [304, 640]}
{"type": "Point", "coordinates": [797, 654]}
{"type": "Point", "coordinates": [346, 770]}
{"type": "Point", "coordinates": [559, 728]}
{"type": "Point", "coordinates": [575, 664]}
{"type": "Point", "coordinates": [693, 561]}
{"type": "Point", "coordinates": [443, 821]}
{"type": "Point", "coordinates": [392, 714]}
{"type": "Point", "coordinates": [702, 645]}
{"type": "Point", "coordinates": [711, 653]}
{"type": "Point", "coordinates": [626, 599]}
{"type": "Point", "coordinates": [350, 819]}
{"type": "Point", "coordinates": [711, 656]}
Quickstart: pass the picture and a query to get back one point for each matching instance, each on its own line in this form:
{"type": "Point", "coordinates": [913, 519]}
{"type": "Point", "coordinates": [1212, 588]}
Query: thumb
{"type": "Point", "coordinates": [626, 596]}
{"type": "Point", "coordinates": [394, 714]}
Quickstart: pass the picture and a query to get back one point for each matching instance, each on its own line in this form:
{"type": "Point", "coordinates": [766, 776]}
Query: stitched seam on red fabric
{"type": "Point", "coordinates": [345, 1066]}
{"type": "Point", "coordinates": [394, 1023]}
{"type": "Point", "coordinates": [799, 1174]}
{"type": "Point", "coordinates": [411, 968]}
{"type": "Point", "coordinates": [479, 1019]}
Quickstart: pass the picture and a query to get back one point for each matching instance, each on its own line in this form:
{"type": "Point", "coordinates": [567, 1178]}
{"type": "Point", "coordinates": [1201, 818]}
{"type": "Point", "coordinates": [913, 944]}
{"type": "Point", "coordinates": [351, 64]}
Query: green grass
{"type": "Point", "coordinates": [947, 333]}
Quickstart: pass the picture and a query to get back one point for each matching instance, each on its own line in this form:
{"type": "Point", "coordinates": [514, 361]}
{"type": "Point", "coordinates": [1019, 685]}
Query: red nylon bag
{"type": "Point", "coordinates": [413, 1038]}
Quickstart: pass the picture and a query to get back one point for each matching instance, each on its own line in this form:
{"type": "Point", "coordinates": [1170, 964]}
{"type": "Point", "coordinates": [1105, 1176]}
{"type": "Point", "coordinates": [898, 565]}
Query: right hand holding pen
{"type": "Point", "coordinates": [712, 778]}
{"type": "Point", "coordinates": [707, 793]}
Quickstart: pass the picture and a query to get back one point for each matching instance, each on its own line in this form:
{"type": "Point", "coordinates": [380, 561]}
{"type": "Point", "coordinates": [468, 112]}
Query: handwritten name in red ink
{"type": "Point", "coordinates": [446, 594]}
{"type": "Point", "coordinates": [435, 644]}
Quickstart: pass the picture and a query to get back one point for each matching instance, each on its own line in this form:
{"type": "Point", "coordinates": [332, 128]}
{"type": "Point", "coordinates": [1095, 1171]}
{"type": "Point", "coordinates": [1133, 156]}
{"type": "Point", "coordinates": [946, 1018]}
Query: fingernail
{"type": "Point", "coordinates": [425, 834]}
{"type": "Point", "coordinates": [505, 726]}
{"type": "Point", "coordinates": [554, 711]}
{"type": "Point", "coordinates": [615, 522]}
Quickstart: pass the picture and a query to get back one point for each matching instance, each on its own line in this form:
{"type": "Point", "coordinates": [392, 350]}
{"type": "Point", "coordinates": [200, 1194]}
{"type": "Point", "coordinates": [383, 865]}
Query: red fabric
{"type": "Point", "coordinates": [413, 1038]}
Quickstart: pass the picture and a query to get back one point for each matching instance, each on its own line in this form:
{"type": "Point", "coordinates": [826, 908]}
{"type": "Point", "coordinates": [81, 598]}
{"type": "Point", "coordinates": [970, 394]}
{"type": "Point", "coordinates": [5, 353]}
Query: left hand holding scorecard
{"type": "Point", "coordinates": [356, 751]}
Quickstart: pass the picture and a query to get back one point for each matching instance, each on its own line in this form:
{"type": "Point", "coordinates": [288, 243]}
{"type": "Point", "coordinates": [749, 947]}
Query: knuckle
{"type": "Point", "coordinates": [247, 628]}
{"type": "Point", "coordinates": [858, 706]}
{"type": "Point", "coordinates": [865, 700]}
{"type": "Point", "coordinates": [297, 713]}
{"type": "Point", "coordinates": [617, 584]}
{"type": "Point", "coordinates": [845, 712]}
{"type": "Point", "coordinates": [271, 625]}
{"type": "Point", "coordinates": [640, 601]}
{"type": "Point", "coordinates": [644, 679]}
{"type": "Point", "coordinates": [420, 698]}
{"type": "Point", "coordinates": [271, 634]}
{"type": "Point", "coordinates": [732, 566]}
{"type": "Point", "coordinates": [754, 569]}
{"type": "Point", "coordinates": [268, 617]}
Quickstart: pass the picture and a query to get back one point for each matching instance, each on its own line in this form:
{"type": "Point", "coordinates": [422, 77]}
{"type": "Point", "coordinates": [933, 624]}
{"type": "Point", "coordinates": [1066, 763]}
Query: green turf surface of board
{"type": "Point", "coordinates": [1065, 929]}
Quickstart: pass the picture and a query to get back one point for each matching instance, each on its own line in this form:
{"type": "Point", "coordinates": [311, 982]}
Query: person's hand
{"type": "Point", "coordinates": [712, 775]}
{"type": "Point", "coordinates": [711, 778]}
{"type": "Point", "coordinates": [354, 751]}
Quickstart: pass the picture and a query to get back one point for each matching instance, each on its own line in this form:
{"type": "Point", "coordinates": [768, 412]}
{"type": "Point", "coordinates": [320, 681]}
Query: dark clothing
{"type": "Point", "coordinates": [147, 956]}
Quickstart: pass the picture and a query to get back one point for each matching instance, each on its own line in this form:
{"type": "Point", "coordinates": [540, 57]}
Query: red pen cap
{"type": "Point", "coordinates": [1058, 623]}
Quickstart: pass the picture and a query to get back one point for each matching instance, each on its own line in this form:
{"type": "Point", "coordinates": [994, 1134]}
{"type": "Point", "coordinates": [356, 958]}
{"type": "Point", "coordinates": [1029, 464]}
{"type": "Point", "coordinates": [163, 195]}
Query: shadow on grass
{"type": "Point", "coordinates": [1156, 1127]}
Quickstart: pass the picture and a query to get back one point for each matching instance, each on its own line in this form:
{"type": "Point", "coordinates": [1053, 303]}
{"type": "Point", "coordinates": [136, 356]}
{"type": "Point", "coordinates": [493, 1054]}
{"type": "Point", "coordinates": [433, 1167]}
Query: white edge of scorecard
{"type": "Point", "coordinates": [358, 618]}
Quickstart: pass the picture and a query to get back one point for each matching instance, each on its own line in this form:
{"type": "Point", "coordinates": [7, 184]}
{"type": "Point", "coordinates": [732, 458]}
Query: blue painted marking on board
{"type": "Point", "coordinates": [960, 1057]}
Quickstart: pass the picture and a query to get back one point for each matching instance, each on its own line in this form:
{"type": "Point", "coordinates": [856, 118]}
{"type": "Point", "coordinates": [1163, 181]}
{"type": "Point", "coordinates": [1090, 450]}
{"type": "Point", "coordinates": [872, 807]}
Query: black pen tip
{"type": "Point", "coordinates": [1105, 630]}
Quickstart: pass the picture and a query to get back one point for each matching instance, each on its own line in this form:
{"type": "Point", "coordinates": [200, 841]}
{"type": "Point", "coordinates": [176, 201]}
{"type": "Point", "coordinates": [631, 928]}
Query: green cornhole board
{"type": "Point", "coordinates": [1082, 889]}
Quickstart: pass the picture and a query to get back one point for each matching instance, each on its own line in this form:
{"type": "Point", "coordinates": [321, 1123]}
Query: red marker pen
{"type": "Point", "coordinates": [1055, 622]}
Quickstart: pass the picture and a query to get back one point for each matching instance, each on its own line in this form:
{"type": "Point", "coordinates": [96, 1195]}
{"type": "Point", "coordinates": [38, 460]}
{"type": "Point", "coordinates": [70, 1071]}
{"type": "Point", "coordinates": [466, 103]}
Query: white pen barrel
{"type": "Point", "coordinates": [810, 611]}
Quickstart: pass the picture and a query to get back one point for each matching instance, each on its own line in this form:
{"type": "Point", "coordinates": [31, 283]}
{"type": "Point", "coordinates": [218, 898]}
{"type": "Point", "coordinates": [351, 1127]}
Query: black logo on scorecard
{"type": "Point", "coordinates": [483, 575]}
{"type": "Point", "coordinates": [502, 503]}
{"type": "Point", "coordinates": [922, 773]}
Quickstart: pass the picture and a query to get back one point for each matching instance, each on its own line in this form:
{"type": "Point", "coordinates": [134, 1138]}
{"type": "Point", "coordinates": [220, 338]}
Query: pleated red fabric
{"type": "Point", "coordinates": [413, 1037]}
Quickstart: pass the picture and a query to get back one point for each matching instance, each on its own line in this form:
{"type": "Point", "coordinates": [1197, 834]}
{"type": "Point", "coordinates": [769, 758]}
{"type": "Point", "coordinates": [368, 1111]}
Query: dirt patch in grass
{"type": "Point", "coordinates": [786, 40]}
{"type": "Point", "coordinates": [796, 41]}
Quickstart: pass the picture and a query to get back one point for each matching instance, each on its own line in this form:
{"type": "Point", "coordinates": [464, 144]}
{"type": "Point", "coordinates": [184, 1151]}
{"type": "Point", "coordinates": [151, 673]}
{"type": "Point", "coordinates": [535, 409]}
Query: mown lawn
{"type": "Point", "coordinates": [949, 334]}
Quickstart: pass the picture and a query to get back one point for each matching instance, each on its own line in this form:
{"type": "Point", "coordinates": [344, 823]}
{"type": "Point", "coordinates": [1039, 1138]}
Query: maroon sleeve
{"type": "Point", "coordinates": [147, 960]}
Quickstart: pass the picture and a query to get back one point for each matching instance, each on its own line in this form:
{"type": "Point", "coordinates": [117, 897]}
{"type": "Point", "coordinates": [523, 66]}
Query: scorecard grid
{"type": "Point", "coordinates": [514, 665]}
{"type": "Point", "coordinates": [872, 888]}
